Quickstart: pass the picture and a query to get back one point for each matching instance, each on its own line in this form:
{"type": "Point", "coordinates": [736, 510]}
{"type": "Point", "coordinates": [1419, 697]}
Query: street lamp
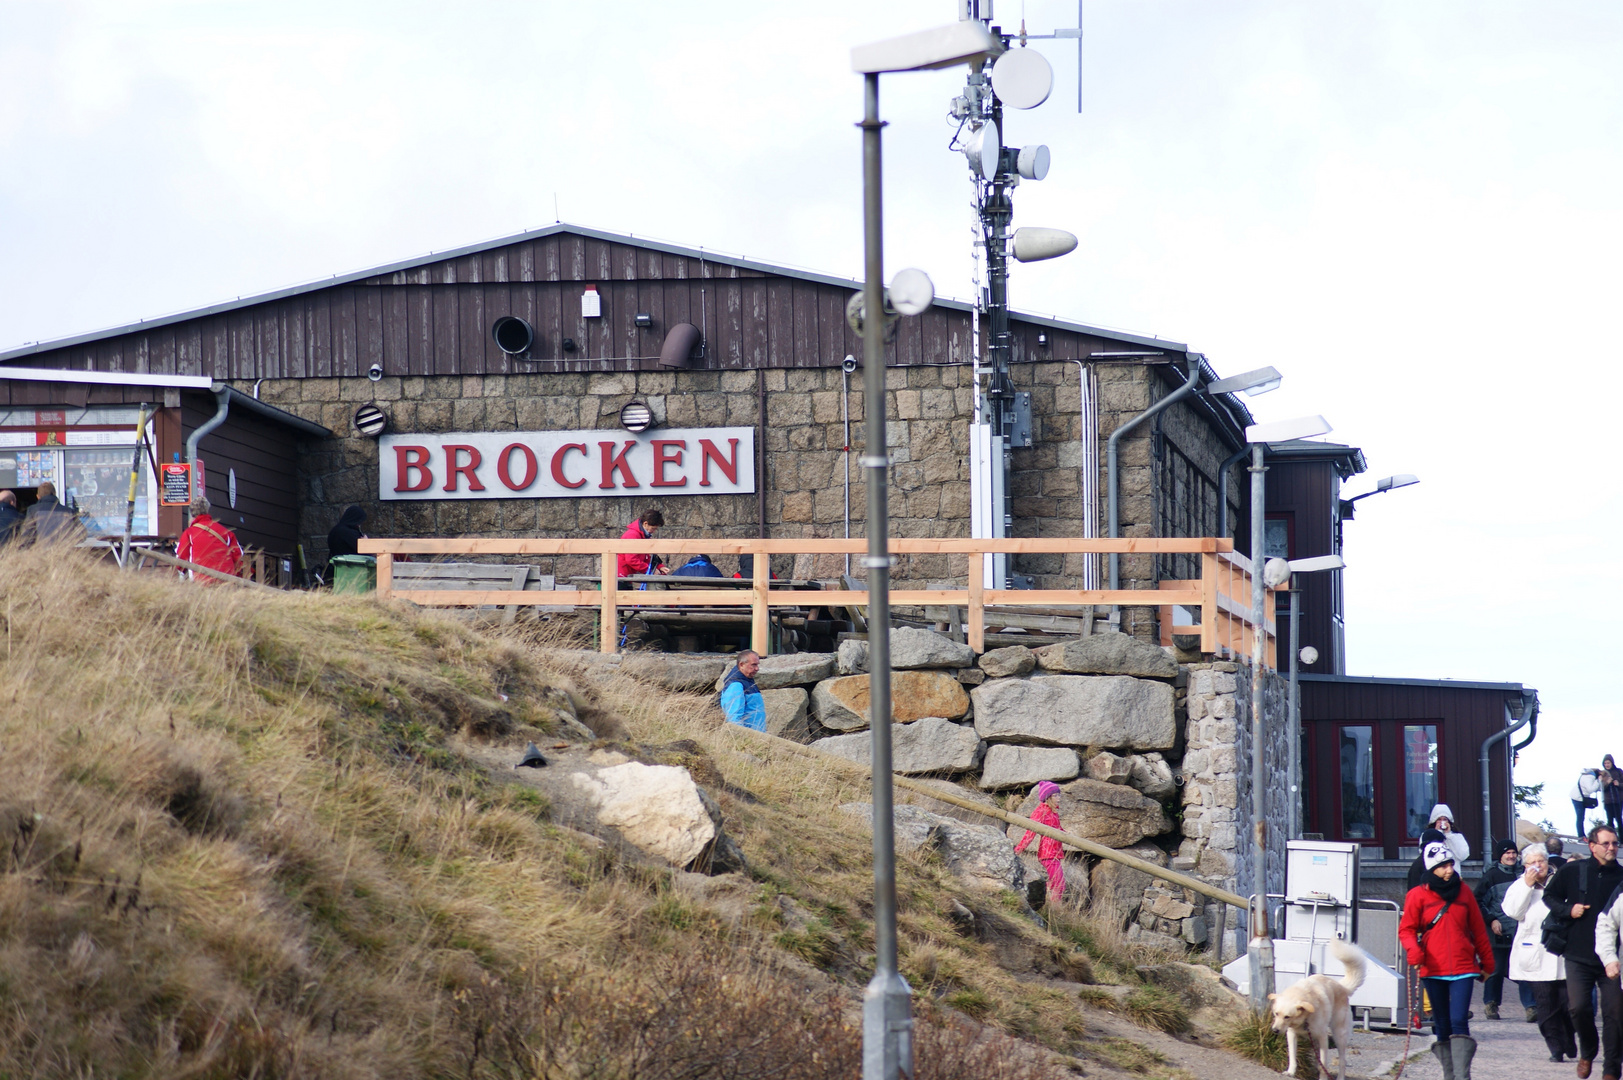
{"type": "Point", "coordinates": [887, 1023]}
{"type": "Point", "coordinates": [1261, 946]}
{"type": "Point", "coordinates": [1385, 484]}
{"type": "Point", "coordinates": [1276, 572]}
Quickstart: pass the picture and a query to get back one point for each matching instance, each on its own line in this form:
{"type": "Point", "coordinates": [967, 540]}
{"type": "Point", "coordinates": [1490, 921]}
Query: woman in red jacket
{"type": "Point", "coordinates": [1443, 933]}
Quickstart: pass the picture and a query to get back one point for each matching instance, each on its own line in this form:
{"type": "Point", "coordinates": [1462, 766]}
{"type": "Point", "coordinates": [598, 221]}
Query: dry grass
{"type": "Point", "coordinates": [234, 843]}
{"type": "Point", "coordinates": [1255, 1038]}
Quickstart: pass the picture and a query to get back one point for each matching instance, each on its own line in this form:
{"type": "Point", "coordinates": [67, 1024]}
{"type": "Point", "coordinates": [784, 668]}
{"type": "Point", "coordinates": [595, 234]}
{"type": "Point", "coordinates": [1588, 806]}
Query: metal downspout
{"type": "Point", "coordinates": [1223, 489]}
{"type": "Point", "coordinates": [1110, 468]}
{"type": "Point", "coordinates": [1529, 715]}
{"type": "Point", "coordinates": [222, 397]}
{"type": "Point", "coordinates": [1088, 462]}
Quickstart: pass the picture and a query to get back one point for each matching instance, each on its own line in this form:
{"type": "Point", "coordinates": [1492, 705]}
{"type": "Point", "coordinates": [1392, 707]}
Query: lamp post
{"type": "Point", "coordinates": [887, 1024]}
{"type": "Point", "coordinates": [1280, 570]}
{"type": "Point", "coordinates": [1261, 947]}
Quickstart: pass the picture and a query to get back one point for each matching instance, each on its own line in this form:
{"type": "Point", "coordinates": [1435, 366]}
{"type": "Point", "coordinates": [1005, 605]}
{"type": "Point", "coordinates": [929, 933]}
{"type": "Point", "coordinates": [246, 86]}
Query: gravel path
{"type": "Point", "coordinates": [1508, 1049]}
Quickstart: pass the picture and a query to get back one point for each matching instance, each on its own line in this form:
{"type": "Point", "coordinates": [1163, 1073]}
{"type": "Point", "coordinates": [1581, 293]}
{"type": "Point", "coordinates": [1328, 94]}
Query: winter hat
{"type": "Point", "coordinates": [1045, 789]}
{"type": "Point", "coordinates": [1504, 846]}
{"type": "Point", "coordinates": [1436, 855]}
{"type": "Point", "coordinates": [1430, 836]}
{"type": "Point", "coordinates": [1441, 810]}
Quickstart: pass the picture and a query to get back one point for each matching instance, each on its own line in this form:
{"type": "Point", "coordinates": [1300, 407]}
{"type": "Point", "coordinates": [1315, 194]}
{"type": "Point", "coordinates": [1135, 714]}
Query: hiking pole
{"type": "Point", "coordinates": [135, 475]}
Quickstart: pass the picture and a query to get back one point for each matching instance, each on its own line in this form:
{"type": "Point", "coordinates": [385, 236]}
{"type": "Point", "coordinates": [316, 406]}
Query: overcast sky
{"type": "Point", "coordinates": [1411, 210]}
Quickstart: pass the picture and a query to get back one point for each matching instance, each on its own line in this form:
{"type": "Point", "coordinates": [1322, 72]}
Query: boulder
{"type": "Point", "coordinates": [787, 712]}
{"type": "Point", "coordinates": [930, 745]}
{"type": "Point", "coordinates": [912, 648]}
{"type": "Point", "coordinates": [841, 703]}
{"type": "Point", "coordinates": [1528, 833]}
{"type": "Point", "coordinates": [852, 657]}
{"type": "Point", "coordinates": [1110, 814]}
{"type": "Point", "coordinates": [676, 671]}
{"type": "Point", "coordinates": [657, 808]}
{"type": "Point", "coordinates": [1119, 888]}
{"type": "Point", "coordinates": [1137, 935]}
{"type": "Point", "coordinates": [1077, 710]}
{"type": "Point", "coordinates": [1108, 654]}
{"type": "Point", "coordinates": [971, 676]}
{"type": "Point", "coordinates": [1010, 766]}
{"type": "Point", "coordinates": [1013, 660]}
{"type": "Point", "coordinates": [1151, 775]}
{"type": "Point", "coordinates": [790, 669]}
{"type": "Point", "coordinates": [977, 854]}
{"type": "Point", "coordinates": [1110, 768]}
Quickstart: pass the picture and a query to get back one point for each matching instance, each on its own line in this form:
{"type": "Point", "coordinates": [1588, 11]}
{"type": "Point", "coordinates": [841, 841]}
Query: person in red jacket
{"type": "Point", "coordinates": [1050, 852]}
{"type": "Point", "coordinates": [1445, 938]}
{"type": "Point", "coordinates": [208, 543]}
{"type": "Point", "coordinates": [642, 529]}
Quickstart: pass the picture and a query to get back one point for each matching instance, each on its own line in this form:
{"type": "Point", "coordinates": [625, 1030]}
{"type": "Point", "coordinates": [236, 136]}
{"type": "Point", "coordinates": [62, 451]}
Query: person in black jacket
{"type": "Point", "coordinates": [1599, 876]}
{"type": "Point", "coordinates": [345, 535]}
{"type": "Point", "coordinates": [1490, 896]}
{"type": "Point", "coordinates": [11, 519]}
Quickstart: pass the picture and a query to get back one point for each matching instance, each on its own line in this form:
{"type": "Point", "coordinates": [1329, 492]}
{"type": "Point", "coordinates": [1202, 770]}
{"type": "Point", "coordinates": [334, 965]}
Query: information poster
{"type": "Point", "coordinates": [177, 484]}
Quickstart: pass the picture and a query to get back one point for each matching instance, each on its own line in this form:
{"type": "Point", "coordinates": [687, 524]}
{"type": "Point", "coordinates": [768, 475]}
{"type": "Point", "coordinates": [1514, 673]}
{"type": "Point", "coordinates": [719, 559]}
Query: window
{"type": "Point", "coordinates": [1278, 537]}
{"type": "Point", "coordinates": [1419, 776]}
{"type": "Point", "coordinates": [1357, 752]}
{"type": "Point", "coordinates": [1185, 505]}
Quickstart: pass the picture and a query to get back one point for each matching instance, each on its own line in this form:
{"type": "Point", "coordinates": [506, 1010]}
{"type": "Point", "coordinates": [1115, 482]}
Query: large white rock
{"type": "Point", "coordinates": [910, 648]}
{"type": "Point", "coordinates": [1108, 654]}
{"type": "Point", "coordinates": [978, 854]}
{"type": "Point", "coordinates": [1152, 776]}
{"type": "Point", "coordinates": [852, 657]}
{"type": "Point", "coordinates": [1011, 766]}
{"type": "Point", "coordinates": [1110, 814]}
{"type": "Point", "coordinates": [930, 745]}
{"type": "Point", "coordinates": [786, 712]}
{"type": "Point", "coordinates": [657, 808]}
{"type": "Point", "coordinates": [1077, 710]}
{"type": "Point", "coordinates": [1012, 660]}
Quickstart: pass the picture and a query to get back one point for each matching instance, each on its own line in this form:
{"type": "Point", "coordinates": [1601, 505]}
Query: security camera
{"type": "Point", "coordinates": [375, 372]}
{"type": "Point", "coordinates": [849, 364]}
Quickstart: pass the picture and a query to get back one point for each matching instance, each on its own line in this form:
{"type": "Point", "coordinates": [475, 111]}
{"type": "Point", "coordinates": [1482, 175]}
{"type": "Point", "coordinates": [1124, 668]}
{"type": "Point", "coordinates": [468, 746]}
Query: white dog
{"type": "Point", "coordinates": [1320, 1007]}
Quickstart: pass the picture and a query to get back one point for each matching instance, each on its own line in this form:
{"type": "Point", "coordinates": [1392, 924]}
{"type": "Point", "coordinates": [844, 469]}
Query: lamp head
{"type": "Point", "coordinates": [1251, 383]}
{"type": "Point", "coordinates": [1398, 481]}
{"type": "Point", "coordinates": [1303, 427]}
{"type": "Point", "coordinates": [1318, 562]}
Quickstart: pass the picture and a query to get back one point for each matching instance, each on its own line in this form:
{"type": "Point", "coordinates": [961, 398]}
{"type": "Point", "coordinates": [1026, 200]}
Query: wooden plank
{"type": "Point", "coordinates": [1208, 603]}
{"type": "Point", "coordinates": [444, 313]}
{"type": "Point", "coordinates": [608, 629]}
{"type": "Point", "coordinates": [385, 576]}
{"type": "Point", "coordinates": [977, 605]}
{"type": "Point", "coordinates": [855, 546]}
{"type": "Point", "coordinates": [760, 631]}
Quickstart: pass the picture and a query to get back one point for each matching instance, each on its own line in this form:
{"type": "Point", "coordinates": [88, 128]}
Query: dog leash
{"type": "Point", "coordinates": [1408, 1027]}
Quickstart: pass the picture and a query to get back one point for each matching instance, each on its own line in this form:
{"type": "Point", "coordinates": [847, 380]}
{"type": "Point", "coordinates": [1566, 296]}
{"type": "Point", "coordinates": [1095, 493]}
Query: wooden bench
{"type": "Point", "coordinates": [475, 576]}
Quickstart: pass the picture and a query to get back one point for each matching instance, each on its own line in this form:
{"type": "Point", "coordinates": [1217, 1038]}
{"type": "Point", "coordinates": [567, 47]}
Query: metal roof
{"type": "Point", "coordinates": [1350, 459]}
{"type": "Point", "coordinates": [538, 234]}
{"type": "Point", "coordinates": [105, 378]}
{"type": "Point", "coordinates": [1445, 684]}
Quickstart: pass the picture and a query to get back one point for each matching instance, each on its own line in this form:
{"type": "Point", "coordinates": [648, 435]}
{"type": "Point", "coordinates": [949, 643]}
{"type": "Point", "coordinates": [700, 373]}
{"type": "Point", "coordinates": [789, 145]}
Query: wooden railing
{"type": "Point", "coordinates": [1222, 594]}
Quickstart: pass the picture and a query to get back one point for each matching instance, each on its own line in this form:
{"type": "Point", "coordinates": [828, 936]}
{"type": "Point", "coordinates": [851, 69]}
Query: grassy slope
{"type": "Point", "coordinates": [236, 839]}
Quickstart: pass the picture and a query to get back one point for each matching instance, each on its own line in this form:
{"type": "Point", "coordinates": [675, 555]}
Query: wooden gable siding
{"type": "Point", "coordinates": [1307, 491]}
{"type": "Point", "coordinates": [264, 455]}
{"type": "Point", "coordinates": [435, 319]}
{"type": "Point", "coordinates": [1464, 716]}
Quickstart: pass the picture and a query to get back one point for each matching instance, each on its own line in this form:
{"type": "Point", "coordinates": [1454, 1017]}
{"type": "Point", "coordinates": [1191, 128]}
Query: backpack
{"type": "Point", "coordinates": [1558, 923]}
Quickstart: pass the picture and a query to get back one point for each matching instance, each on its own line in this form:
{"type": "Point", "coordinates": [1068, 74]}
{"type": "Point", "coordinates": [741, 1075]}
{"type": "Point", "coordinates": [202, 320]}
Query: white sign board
{"type": "Point", "coordinates": [567, 464]}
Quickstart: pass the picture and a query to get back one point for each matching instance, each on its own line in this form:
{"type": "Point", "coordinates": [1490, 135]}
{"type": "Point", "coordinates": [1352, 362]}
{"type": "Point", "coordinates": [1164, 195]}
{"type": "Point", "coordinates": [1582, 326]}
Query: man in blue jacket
{"type": "Point", "coordinates": [740, 698]}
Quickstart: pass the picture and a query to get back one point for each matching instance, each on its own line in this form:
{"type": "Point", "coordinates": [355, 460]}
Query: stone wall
{"type": "Point", "coordinates": [806, 464]}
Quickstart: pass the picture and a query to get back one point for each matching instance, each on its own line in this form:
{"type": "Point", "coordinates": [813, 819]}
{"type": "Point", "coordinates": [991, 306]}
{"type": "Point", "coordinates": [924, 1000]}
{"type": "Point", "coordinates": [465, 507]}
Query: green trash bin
{"type": "Point", "coordinates": [354, 573]}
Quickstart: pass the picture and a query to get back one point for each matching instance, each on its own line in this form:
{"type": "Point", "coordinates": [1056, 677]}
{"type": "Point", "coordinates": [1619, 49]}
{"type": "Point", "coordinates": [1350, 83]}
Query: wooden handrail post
{"type": "Point", "coordinates": [1208, 604]}
{"type": "Point", "coordinates": [385, 575]}
{"type": "Point", "coordinates": [760, 628]}
{"type": "Point", "coordinates": [977, 603]}
{"type": "Point", "coordinates": [609, 621]}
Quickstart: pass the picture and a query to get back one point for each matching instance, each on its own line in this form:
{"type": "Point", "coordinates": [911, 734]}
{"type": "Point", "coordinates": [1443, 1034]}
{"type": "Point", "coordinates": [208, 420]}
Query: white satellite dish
{"type": "Point", "coordinates": [1035, 245]}
{"type": "Point", "coordinates": [1022, 78]}
{"type": "Point", "coordinates": [911, 291]}
{"type": "Point", "coordinates": [1032, 162]}
{"type": "Point", "coordinates": [982, 148]}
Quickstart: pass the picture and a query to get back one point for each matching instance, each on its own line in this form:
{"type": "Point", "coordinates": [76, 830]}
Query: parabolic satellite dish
{"type": "Point", "coordinates": [911, 291]}
{"type": "Point", "coordinates": [983, 148]}
{"type": "Point", "coordinates": [1022, 78]}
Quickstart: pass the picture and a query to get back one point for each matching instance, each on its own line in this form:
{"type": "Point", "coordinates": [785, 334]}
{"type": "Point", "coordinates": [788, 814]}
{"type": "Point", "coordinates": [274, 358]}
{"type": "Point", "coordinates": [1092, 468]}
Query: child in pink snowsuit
{"type": "Point", "coordinates": [1050, 852]}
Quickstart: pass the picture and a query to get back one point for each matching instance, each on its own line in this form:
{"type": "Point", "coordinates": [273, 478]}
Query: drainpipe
{"type": "Point", "coordinates": [845, 417]}
{"type": "Point", "coordinates": [1529, 716]}
{"type": "Point", "coordinates": [1087, 432]}
{"type": "Point", "coordinates": [1110, 467]}
{"type": "Point", "coordinates": [1223, 489]}
{"type": "Point", "coordinates": [222, 396]}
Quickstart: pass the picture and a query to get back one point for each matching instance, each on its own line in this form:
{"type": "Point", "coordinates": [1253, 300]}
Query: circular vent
{"type": "Point", "coordinates": [371, 421]}
{"type": "Point", "coordinates": [512, 335]}
{"type": "Point", "coordinates": [636, 416]}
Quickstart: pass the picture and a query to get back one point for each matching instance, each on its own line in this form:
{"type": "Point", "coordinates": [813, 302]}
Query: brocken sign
{"type": "Point", "coordinates": [567, 464]}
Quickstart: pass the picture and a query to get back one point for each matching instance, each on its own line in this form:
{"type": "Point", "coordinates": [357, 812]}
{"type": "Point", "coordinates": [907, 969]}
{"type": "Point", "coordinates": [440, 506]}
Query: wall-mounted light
{"type": "Point", "coordinates": [644, 320]}
{"type": "Point", "coordinates": [569, 344]}
{"type": "Point", "coordinates": [636, 416]}
{"type": "Point", "coordinates": [371, 421]}
{"type": "Point", "coordinates": [1042, 339]}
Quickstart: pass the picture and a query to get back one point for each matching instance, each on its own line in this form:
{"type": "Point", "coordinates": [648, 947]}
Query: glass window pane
{"type": "Point", "coordinates": [1276, 539]}
{"type": "Point", "coordinates": [1358, 783]}
{"type": "Point", "coordinates": [97, 482]}
{"type": "Point", "coordinates": [1419, 775]}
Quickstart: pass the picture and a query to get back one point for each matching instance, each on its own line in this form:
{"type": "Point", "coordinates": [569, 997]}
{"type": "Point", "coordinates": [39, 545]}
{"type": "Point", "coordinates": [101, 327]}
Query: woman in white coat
{"type": "Point", "coordinates": [1442, 819]}
{"type": "Point", "coordinates": [1545, 972]}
